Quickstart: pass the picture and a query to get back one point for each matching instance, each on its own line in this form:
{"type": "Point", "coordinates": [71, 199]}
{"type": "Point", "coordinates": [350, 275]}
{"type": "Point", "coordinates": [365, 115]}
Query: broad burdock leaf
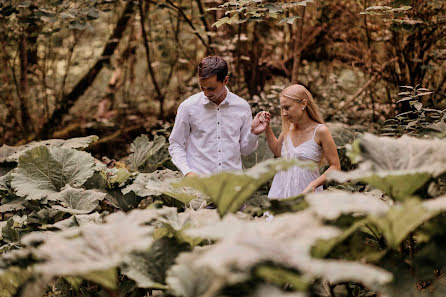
{"type": "Point", "coordinates": [279, 276]}
{"type": "Point", "coordinates": [75, 221]}
{"type": "Point", "coordinates": [148, 269]}
{"type": "Point", "coordinates": [11, 279]}
{"type": "Point", "coordinates": [143, 149]}
{"type": "Point", "coordinates": [399, 166]}
{"type": "Point", "coordinates": [330, 205]}
{"type": "Point", "coordinates": [44, 171]}
{"type": "Point", "coordinates": [436, 205]}
{"type": "Point", "coordinates": [2, 225]}
{"type": "Point", "coordinates": [230, 189]}
{"type": "Point", "coordinates": [116, 176]}
{"type": "Point", "coordinates": [13, 205]}
{"type": "Point", "coordinates": [285, 241]}
{"type": "Point", "coordinates": [158, 182]}
{"type": "Point", "coordinates": [393, 225]}
{"type": "Point", "coordinates": [189, 280]}
{"type": "Point", "coordinates": [5, 183]}
{"type": "Point", "coordinates": [9, 230]}
{"type": "Point", "coordinates": [152, 184]}
{"type": "Point", "coordinates": [269, 291]}
{"type": "Point", "coordinates": [172, 224]}
{"type": "Point", "coordinates": [12, 153]}
{"type": "Point", "coordinates": [176, 224]}
{"type": "Point", "coordinates": [91, 248]}
{"type": "Point", "coordinates": [338, 271]}
{"type": "Point", "coordinates": [403, 219]}
{"type": "Point", "coordinates": [125, 202]}
{"type": "Point", "coordinates": [78, 201]}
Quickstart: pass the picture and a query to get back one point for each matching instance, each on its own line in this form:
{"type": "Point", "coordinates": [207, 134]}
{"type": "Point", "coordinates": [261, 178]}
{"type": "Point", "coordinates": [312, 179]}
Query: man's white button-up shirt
{"type": "Point", "coordinates": [209, 138]}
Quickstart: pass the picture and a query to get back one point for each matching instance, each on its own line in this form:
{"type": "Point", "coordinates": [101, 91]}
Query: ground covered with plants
{"type": "Point", "coordinates": [75, 226]}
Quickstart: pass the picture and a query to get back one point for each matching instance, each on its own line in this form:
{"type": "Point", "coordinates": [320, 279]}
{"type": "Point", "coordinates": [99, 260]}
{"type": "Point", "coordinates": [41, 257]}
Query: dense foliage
{"type": "Point", "coordinates": [71, 226]}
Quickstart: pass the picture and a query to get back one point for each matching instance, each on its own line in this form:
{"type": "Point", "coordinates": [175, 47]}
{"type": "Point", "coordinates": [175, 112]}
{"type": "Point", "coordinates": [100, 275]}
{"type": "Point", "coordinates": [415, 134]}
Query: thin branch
{"type": "Point", "coordinates": [189, 22]}
{"type": "Point", "coordinates": [203, 20]}
{"type": "Point", "coordinates": [67, 68]}
{"type": "Point", "coordinates": [147, 47]}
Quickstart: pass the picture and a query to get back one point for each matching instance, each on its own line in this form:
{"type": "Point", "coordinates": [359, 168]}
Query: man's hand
{"type": "Point", "coordinates": [191, 174]}
{"type": "Point", "coordinates": [260, 122]}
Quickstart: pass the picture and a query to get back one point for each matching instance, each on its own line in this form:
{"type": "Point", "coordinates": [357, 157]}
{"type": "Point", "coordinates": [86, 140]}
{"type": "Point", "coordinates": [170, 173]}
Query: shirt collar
{"type": "Point", "coordinates": [225, 101]}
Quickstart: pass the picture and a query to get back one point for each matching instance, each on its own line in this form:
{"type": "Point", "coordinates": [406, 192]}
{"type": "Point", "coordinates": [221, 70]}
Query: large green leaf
{"type": "Point", "coordinates": [145, 152]}
{"type": "Point", "coordinates": [116, 176]}
{"type": "Point", "coordinates": [119, 200]}
{"type": "Point", "coordinates": [90, 248]}
{"type": "Point", "coordinates": [355, 243]}
{"type": "Point", "coordinates": [401, 220]}
{"type": "Point", "coordinates": [281, 277]}
{"type": "Point", "coordinates": [269, 291]}
{"type": "Point", "coordinates": [148, 269]}
{"type": "Point", "coordinates": [176, 224]}
{"type": "Point", "coordinates": [382, 230]}
{"type": "Point", "coordinates": [158, 183]}
{"type": "Point", "coordinates": [332, 204]}
{"type": "Point", "coordinates": [13, 205]}
{"type": "Point", "coordinates": [187, 279]}
{"type": "Point", "coordinates": [10, 232]}
{"type": "Point", "coordinates": [75, 221]}
{"type": "Point", "coordinates": [339, 271]}
{"type": "Point", "coordinates": [285, 241]}
{"type": "Point", "coordinates": [78, 201]}
{"type": "Point", "coordinates": [11, 279]}
{"type": "Point", "coordinates": [5, 183]}
{"type": "Point", "coordinates": [44, 171]}
{"type": "Point", "coordinates": [12, 153]}
{"type": "Point", "coordinates": [399, 166]}
{"type": "Point", "coordinates": [230, 189]}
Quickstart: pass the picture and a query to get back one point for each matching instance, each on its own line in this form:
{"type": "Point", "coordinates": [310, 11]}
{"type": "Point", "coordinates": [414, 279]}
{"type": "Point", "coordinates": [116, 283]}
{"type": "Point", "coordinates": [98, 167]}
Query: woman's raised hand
{"type": "Point", "coordinates": [260, 122]}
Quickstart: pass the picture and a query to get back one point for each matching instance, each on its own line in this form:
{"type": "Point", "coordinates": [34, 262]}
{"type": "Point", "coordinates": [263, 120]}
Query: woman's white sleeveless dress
{"type": "Point", "coordinates": [293, 181]}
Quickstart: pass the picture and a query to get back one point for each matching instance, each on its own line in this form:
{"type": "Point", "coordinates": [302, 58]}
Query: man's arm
{"type": "Point", "coordinates": [248, 140]}
{"type": "Point", "coordinates": [177, 140]}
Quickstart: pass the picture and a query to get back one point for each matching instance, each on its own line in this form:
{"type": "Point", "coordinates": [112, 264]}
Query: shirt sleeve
{"type": "Point", "coordinates": [178, 139]}
{"type": "Point", "coordinates": [248, 141]}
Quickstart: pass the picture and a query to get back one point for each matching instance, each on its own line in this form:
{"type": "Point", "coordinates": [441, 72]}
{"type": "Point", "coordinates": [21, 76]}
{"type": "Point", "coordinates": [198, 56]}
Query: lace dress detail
{"type": "Point", "coordinates": [293, 181]}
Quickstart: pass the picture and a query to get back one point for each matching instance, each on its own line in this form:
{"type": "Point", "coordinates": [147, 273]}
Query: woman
{"type": "Point", "coordinates": [303, 137]}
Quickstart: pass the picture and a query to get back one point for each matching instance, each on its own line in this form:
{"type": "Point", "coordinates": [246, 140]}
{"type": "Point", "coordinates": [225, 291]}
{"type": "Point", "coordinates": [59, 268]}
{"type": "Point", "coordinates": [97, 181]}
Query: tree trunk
{"type": "Point", "coordinates": [79, 89]}
{"type": "Point", "coordinates": [25, 117]}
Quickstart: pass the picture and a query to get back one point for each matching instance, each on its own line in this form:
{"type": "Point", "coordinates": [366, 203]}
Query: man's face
{"type": "Point", "coordinates": [213, 89]}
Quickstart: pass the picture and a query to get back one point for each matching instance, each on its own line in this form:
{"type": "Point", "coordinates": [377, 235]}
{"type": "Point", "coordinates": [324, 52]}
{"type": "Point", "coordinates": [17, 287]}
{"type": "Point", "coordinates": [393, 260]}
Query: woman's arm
{"type": "Point", "coordinates": [323, 136]}
{"type": "Point", "coordinates": [275, 145]}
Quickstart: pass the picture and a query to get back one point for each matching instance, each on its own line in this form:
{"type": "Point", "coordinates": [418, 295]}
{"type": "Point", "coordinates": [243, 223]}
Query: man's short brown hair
{"type": "Point", "coordinates": [213, 65]}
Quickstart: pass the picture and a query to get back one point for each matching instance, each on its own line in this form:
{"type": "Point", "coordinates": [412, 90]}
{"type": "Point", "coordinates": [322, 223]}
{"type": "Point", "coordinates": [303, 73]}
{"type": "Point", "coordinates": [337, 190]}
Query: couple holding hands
{"type": "Point", "coordinates": [214, 128]}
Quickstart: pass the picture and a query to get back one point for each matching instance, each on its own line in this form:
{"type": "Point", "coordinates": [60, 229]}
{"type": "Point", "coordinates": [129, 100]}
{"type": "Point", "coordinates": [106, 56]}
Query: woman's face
{"type": "Point", "coordinates": [292, 109]}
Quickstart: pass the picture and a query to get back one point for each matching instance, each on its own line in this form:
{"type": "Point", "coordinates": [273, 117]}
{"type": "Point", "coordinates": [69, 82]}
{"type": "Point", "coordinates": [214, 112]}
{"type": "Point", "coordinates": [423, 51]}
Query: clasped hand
{"type": "Point", "coordinates": [260, 122]}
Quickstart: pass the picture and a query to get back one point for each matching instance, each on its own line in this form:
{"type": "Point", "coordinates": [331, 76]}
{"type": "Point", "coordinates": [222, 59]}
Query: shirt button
{"type": "Point", "coordinates": [219, 164]}
{"type": "Point", "coordinates": [218, 137]}
{"type": "Point", "coordinates": [219, 151]}
{"type": "Point", "coordinates": [218, 108]}
{"type": "Point", "coordinates": [218, 123]}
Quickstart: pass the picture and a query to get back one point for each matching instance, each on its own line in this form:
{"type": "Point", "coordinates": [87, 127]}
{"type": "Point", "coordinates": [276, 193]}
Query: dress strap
{"type": "Point", "coordinates": [315, 129]}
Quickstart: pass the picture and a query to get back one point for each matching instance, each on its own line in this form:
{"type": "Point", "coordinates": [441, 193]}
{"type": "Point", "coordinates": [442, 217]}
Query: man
{"type": "Point", "coordinates": [213, 128]}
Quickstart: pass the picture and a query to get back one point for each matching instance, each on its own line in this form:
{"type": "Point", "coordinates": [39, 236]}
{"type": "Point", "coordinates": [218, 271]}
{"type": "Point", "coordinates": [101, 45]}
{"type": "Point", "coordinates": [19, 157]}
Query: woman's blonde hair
{"type": "Point", "coordinates": [300, 93]}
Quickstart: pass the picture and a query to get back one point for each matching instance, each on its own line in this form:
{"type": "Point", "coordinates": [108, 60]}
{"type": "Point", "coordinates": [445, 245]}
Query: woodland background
{"type": "Point", "coordinates": [120, 68]}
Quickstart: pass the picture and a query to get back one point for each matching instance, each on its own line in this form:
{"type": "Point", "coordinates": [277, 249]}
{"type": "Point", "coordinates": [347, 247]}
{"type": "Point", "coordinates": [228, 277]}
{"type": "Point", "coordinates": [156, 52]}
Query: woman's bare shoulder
{"type": "Point", "coordinates": [322, 134]}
